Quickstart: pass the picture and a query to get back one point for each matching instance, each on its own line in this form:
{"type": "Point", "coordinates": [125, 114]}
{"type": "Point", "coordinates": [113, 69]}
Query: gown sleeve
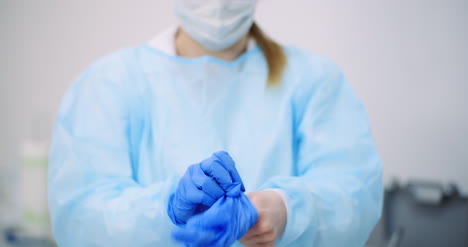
{"type": "Point", "coordinates": [94, 198]}
{"type": "Point", "coordinates": [335, 195]}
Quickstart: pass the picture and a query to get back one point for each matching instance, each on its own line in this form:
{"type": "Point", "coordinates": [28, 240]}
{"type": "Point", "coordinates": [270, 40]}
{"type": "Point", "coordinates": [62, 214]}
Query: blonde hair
{"type": "Point", "coordinates": [273, 52]}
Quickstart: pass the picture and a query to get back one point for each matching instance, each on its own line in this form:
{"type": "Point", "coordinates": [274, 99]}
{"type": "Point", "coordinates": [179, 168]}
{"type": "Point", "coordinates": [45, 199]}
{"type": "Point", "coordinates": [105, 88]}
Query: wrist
{"type": "Point", "coordinates": [272, 218]}
{"type": "Point", "coordinates": [283, 196]}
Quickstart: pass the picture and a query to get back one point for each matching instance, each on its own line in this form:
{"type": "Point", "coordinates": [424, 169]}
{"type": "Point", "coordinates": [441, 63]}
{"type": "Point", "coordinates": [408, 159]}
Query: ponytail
{"type": "Point", "coordinates": [273, 52]}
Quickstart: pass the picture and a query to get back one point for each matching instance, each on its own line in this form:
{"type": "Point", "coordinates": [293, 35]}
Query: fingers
{"type": "Point", "coordinates": [202, 185]}
{"type": "Point", "coordinates": [212, 189]}
{"type": "Point", "coordinates": [259, 241]}
{"type": "Point", "coordinates": [229, 165]}
{"type": "Point", "coordinates": [266, 239]}
{"type": "Point", "coordinates": [269, 244]}
{"type": "Point", "coordinates": [206, 186]}
{"type": "Point", "coordinates": [261, 230]}
{"type": "Point", "coordinates": [193, 194]}
{"type": "Point", "coordinates": [261, 238]}
{"type": "Point", "coordinates": [206, 182]}
{"type": "Point", "coordinates": [213, 168]}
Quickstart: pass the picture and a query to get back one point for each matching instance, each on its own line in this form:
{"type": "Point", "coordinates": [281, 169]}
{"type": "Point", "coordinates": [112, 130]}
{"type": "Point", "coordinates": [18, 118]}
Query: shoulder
{"type": "Point", "coordinates": [108, 79]}
{"type": "Point", "coordinates": [117, 65]}
{"type": "Point", "coordinates": [312, 69]}
{"type": "Point", "coordinates": [310, 64]}
{"type": "Point", "coordinates": [113, 72]}
{"type": "Point", "coordinates": [310, 74]}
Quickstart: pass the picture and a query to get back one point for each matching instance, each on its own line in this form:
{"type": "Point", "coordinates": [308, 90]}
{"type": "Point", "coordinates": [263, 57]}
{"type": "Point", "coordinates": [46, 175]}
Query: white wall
{"type": "Point", "coordinates": [407, 60]}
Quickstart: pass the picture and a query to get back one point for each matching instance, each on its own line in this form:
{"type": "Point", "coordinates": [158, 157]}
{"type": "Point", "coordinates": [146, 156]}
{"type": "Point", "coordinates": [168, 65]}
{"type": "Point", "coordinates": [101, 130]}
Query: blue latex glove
{"type": "Point", "coordinates": [221, 225]}
{"type": "Point", "coordinates": [201, 186]}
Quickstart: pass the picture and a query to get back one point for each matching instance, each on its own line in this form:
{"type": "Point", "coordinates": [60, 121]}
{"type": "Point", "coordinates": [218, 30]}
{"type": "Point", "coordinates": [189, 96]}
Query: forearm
{"type": "Point", "coordinates": [329, 210]}
{"type": "Point", "coordinates": [118, 213]}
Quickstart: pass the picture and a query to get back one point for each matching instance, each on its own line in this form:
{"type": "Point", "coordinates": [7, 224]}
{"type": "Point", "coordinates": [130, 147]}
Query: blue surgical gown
{"type": "Point", "coordinates": [130, 125]}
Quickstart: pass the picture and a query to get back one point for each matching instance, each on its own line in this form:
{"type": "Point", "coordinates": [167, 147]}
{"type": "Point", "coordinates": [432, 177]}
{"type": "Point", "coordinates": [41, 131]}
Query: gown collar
{"type": "Point", "coordinates": [165, 41]}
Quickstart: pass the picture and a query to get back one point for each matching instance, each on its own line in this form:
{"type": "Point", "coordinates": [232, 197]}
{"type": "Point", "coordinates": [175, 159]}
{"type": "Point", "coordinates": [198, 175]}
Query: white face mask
{"type": "Point", "coordinates": [215, 24]}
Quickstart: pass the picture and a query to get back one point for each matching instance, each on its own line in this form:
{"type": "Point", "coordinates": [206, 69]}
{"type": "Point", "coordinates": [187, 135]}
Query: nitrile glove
{"type": "Point", "coordinates": [222, 224]}
{"type": "Point", "coordinates": [201, 186]}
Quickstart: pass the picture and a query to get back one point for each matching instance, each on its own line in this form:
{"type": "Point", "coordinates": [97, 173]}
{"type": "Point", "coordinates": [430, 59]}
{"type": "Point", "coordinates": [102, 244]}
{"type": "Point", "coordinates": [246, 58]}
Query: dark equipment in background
{"type": "Point", "coordinates": [422, 214]}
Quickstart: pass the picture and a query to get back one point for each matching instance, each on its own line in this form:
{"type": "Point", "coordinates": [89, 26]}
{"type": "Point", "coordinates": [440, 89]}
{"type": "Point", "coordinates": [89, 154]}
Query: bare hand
{"type": "Point", "coordinates": [272, 216]}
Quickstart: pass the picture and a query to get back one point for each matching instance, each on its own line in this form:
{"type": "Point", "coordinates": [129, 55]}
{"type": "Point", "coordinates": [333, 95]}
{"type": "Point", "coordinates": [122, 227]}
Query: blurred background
{"type": "Point", "coordinates": [406, 60]}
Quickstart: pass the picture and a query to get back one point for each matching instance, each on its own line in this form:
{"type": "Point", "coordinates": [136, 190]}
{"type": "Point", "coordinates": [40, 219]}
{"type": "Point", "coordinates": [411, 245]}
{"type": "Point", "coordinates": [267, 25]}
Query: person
{"type": "Point", "coordinates": [142, 123]}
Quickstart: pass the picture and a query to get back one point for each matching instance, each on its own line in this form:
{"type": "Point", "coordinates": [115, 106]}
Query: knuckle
{"type": "Point", "coordinates": [270, 237]}
{"type": "Point", "coordinates": [265, 227]}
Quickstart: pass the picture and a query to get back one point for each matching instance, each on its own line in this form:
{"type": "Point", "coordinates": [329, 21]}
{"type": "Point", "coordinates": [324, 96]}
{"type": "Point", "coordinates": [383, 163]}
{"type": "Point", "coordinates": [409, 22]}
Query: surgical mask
{"type": "Point", "coordinates": [215, 24]}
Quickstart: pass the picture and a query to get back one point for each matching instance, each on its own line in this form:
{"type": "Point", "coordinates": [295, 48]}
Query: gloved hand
{"type": "Point", "coordinates": [221, 225]}
{"type": "Point", "coordinates": [201, 186]}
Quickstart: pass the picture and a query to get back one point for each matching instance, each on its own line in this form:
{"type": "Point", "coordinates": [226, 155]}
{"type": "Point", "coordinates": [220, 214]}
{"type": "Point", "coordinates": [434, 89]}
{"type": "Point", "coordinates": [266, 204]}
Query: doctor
{"type": "Point", "coordinates": [133, 130]}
